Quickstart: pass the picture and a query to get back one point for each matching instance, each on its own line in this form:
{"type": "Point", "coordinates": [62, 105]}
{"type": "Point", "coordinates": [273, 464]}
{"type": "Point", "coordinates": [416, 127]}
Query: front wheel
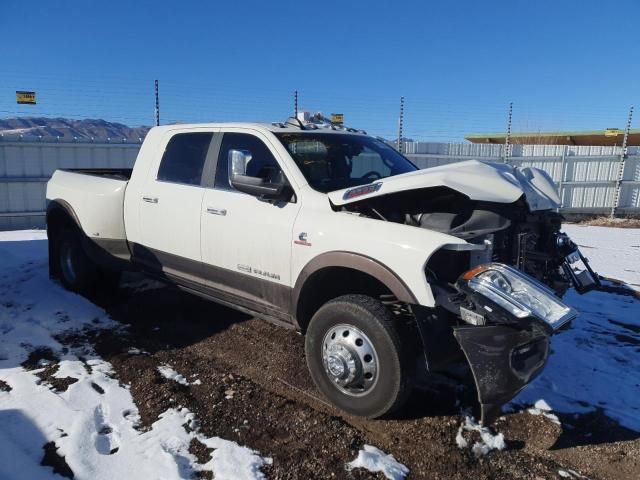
{"type": "Point", "coordinates": [356, 356]}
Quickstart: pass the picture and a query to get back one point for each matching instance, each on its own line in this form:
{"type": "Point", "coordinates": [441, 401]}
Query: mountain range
{"type": "Point", "coordinates": [68, 129]}
{"type": "Point", "coordinates": [84, 130]}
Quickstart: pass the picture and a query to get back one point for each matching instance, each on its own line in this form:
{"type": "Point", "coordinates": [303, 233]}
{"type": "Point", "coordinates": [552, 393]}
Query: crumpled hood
{"type": "Point", "coordinates": [479, 180]}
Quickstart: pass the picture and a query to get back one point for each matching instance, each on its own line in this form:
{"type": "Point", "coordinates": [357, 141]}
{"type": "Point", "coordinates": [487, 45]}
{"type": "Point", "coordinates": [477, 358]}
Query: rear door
{"type": "Point", "coordinates": [170, 207]}
{"type": "Point", "coordinates": [246, 242]}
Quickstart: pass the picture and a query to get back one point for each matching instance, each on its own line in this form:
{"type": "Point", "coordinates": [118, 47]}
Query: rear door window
{"type": "Point", "coordinates": [184, 158]}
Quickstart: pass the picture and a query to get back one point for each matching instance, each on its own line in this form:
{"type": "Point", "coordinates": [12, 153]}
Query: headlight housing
{"type": "Point", "coordinates": [519, 294]}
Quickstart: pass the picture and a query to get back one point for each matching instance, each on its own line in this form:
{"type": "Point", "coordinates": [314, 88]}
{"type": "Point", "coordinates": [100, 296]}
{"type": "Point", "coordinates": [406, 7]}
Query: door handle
{"type": "Point", "coordinates": [150, 199]}
{"type": "Point", "coordinates": [217, 211]}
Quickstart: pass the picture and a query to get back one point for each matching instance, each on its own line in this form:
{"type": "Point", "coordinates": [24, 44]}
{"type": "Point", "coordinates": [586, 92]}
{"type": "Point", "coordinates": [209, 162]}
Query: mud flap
{"type": "Point", "coordinates": [503, 360]}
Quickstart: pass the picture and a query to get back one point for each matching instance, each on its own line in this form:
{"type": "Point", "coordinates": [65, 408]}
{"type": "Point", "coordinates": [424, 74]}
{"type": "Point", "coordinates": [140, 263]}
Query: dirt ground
{"type": "Point", "coordinates": [603, 221]}
{"type": "Point", "coordinates": [254, 389]}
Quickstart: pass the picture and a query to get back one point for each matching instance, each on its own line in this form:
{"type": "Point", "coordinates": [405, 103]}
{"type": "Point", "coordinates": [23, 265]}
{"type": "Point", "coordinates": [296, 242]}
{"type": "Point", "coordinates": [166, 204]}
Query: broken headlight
{"type": "Point", "coordinates": [519, 294]}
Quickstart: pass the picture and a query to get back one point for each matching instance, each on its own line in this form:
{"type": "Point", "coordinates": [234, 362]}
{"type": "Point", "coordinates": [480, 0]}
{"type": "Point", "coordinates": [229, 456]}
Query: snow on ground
{"type": "Point", "coordinates": [375, 460]}
{"type": "Point", "coordinates": [593, 365]}
{"type": "Point", "coordinates": [612, 252]}
{"type": "Point", "coordinates": [542, 408]}
{"type": "Point", "coordinates": [93, 423]}
{"type": "Point", "coordinates": [170, 374]}
{"type": "Point", "coordinates": [571, 474]}
{"type": "Point", "coordinates": [488, 440]}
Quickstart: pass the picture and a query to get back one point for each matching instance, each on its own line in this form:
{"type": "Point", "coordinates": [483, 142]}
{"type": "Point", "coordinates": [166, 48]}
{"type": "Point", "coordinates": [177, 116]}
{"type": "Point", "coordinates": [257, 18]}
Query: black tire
{"type": "Point", "coordinates": [75, 269]}
{"type": "Point", "coordinates": [392, 383]}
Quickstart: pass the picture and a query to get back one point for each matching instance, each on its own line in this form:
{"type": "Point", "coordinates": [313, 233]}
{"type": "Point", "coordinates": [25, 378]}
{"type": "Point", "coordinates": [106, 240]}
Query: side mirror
{"type": "Point", "coordinates": [238, 161]}
{"type": "Point", "coordinates": [256, 186]}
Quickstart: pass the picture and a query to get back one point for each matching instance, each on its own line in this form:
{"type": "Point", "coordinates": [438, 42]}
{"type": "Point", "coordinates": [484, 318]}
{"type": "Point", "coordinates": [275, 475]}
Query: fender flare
{"type": "Point", "coordinates": [63, 205]}
{"type": "Point", "coordinates": [358, 262]}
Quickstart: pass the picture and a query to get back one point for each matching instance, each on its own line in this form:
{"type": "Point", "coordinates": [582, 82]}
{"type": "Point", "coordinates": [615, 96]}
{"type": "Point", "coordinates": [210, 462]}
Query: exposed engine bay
{"type": "Point", "coordinates": [506, 233]}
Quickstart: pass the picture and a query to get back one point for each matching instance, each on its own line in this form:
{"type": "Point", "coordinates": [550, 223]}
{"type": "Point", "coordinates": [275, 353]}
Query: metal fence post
{"type": "Point", "coordinates": [563, 175]}
{"type": "Point", "coordinates": [507, 141]}
{"type": "Point", "coordinates": [400, 124]}
{"type": "Point", "coordinates": [157, 104]}
{"type": "Point", "coordinates": [623, 157]}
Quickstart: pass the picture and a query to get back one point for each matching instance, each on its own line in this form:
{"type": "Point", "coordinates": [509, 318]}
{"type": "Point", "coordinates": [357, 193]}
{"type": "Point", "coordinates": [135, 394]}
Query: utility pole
{"type": "Point", "coordinates": [623, 157]}
{"type": "Point", "coordinates": [295, 104]}
{"type": "Point", "coordinates": [400, 124]}
{"type": "Point", "coordinates": [507, 143]}
{"type": "Point", "coordinates": [157, 105]}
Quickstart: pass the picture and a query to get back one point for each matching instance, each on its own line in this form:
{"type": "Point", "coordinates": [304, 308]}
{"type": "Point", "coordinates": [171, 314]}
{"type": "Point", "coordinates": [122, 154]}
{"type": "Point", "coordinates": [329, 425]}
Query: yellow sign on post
{"type": "Point", "coordinates": [27, 98]}
{"type": "Point", "coordinates": [612, 132]}
{"type": "Point", "coordinates": [337, 118]}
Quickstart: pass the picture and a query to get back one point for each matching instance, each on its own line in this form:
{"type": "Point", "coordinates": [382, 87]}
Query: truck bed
{"type": "Point", "coordinates": [113, 173]}
{"type": "Point", "coordinates": [96, 197]}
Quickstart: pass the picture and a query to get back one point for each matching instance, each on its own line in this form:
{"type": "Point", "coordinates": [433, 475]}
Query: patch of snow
{"type": "Point", "coordinates": [612, 252]}
{"type": "Point", "coordinates": [488, 440]}
{"type": "Point", "coordinates": [542, 408]}
{"type": "Point", "coordinates": [229, 461]}
{"type": "Point", "coordinates": [22, 236]}
{"type": "Point", "coordinates": [94, 423]}
{"type": "Point", "coordinates": [571, 474]}
{"type": "Point", "coordinates": [136, 351]}
{"type": "Point", "coordinates": [375, 460]}
{"type": "Point", "coordinates": [461, 442]}
{"type": "Point", "coordinates": [169, 373]}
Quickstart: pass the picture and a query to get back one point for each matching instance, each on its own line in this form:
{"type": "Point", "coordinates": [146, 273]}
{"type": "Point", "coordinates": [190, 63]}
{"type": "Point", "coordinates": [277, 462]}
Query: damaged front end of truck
{"type": "Point", "coordinates": [498, 296]}
{"type": "Point", "coordinates": [504, 323]}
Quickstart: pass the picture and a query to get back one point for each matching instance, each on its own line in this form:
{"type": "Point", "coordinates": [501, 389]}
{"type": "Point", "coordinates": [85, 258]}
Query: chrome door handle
{"type": "Point", "coordinates": [150, 199]}
{"type": "Point", "coordinates": [217, 211]}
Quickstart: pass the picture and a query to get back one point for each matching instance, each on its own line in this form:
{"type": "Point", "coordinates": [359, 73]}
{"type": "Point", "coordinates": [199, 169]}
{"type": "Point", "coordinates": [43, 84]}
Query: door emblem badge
{"type": "Point", "coordinates": [302, 240]}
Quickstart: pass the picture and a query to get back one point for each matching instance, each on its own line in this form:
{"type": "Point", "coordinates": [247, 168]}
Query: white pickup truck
{"type": "Point", "coordinates": [335, 233]}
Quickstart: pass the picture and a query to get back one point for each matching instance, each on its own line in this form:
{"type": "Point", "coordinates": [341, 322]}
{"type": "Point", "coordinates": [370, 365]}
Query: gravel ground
{"type": "Point", "coordinates": [254, 388]}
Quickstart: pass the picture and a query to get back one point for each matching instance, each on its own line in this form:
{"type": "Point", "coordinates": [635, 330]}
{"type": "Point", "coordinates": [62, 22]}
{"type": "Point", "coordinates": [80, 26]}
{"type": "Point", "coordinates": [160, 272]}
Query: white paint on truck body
{"type": "Point", "coordinates": [264, 235]}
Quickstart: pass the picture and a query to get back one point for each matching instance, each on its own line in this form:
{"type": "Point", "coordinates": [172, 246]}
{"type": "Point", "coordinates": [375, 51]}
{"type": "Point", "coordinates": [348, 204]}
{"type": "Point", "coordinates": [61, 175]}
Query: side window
{"type": "Point", "coordinates": [262, 164]}
{"type": "Point", "coordinates": [184, 158]}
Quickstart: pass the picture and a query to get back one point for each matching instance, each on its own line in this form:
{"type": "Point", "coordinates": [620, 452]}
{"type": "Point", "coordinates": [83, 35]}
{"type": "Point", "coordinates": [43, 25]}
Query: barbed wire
{"type": "Point", "coordinates": [130, 100]}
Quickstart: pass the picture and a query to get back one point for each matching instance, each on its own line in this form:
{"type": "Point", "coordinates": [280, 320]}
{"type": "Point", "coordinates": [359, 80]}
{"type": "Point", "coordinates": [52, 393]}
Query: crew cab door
{"type": "Point", "coordinates": [170, 207]}
{"type": "Point", "coordinates": [246, 242]}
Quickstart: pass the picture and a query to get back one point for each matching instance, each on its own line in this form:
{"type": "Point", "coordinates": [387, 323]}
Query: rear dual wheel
{"type": "Point", "coordinates": [356, 356]}
{"type": "Point", "coordinates": [76, 271]}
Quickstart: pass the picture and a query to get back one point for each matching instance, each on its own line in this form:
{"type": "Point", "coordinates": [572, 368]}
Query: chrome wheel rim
{"type": "Point", "coordinates": [66, 263]}
{"type": "Point", "coordinates": [350, 360]}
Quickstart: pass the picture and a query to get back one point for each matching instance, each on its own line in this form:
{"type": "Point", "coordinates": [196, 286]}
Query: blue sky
{"type": "Point", "coordinates": [570, 64]}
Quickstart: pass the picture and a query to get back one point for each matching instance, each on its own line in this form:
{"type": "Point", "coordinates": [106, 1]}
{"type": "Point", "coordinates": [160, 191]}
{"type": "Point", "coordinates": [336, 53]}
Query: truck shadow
{"type": "Point", "coordinates": [592, 428]}
{"type": "Point", "coordinates": [162, 316]}
{"type": "Point", "coordinates": [23, 443]}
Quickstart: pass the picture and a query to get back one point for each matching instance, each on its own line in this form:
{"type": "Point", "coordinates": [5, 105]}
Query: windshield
{"type": "Point", "coordinates": [333, 161]}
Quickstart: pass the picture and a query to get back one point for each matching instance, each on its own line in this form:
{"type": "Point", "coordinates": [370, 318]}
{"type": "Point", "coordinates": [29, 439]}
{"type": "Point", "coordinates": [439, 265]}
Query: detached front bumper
{"type": "Point", "coordinates": [503, 360]}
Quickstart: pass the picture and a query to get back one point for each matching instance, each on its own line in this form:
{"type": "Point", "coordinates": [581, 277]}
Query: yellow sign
{"type": "Point", "coordinates": [28, 98]}
{"type": "Point", "coordinates": [337, 118]}
{"type": "Point", "coordinates": [612, 132]}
